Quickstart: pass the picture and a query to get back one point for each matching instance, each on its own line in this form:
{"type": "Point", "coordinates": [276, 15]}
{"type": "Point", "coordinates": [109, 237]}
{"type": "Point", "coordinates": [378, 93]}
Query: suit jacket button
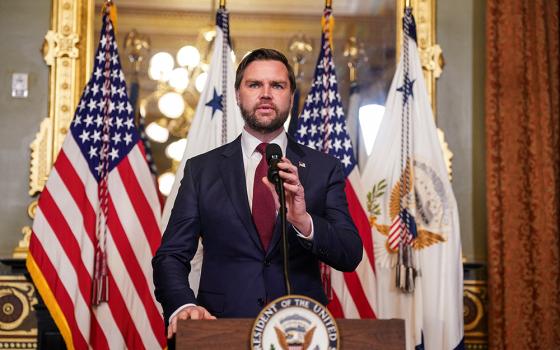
{"type": "Point", "coordinates": [260, 301]}
{"type": "Point", "coordinates": [267, 262]}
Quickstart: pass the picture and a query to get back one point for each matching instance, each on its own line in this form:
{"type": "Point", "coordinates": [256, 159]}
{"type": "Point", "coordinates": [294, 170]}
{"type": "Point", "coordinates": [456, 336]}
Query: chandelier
{"type": "Point", "coordinates": [179, 80]}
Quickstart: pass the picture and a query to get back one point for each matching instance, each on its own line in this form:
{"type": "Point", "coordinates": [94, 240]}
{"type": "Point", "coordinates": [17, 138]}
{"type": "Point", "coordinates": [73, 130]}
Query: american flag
{"type": "Point", "coordinates": [402, 229]}
{"type": "Point", "coordinates": [100, 204]}
{"type": "Point", "coordinates": [322, 126]}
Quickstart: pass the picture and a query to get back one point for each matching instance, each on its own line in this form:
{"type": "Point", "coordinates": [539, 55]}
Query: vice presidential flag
{"type": "Point", "coordinates": [322, 126]}
{"type": "Point", "coordinates": [97, 223]}
{"type": "Point", "coordinates": [413, 213]}
{"type": "Point", "coordinates": [217, 120]}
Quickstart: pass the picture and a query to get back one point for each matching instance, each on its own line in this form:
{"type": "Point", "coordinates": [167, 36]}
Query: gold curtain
{"type": "Point", "coordinates": [523, 173]}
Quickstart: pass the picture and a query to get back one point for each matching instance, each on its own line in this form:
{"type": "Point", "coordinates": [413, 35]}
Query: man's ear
{"type": "Point", "coordinates": [237, 97]}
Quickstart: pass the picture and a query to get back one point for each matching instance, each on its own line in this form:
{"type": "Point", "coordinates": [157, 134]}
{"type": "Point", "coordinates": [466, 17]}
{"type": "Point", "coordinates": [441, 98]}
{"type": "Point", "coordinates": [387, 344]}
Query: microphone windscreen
{"type": "Point", "coordinates": [273, 151]}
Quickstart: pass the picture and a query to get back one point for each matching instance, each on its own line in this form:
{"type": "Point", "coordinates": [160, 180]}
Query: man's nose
{"type": "Point", "coordinates": [266, 91]}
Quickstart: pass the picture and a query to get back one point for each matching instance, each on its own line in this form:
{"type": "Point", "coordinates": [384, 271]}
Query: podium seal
{"type": "Point", "coordinates": [295, 322]}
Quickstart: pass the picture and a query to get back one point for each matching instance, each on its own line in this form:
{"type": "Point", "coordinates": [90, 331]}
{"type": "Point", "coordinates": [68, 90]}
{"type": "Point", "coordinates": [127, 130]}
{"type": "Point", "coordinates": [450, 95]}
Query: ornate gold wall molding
{"type": "Point", "coordinates": [41, 157]}
{"type": "Point", "coordinates": [20, 252]}
{"type": "Point", "coordinates": [476, 324]}
{"type": "Point", "coordinates": [18, 324]}
{"type": "Point", "coordinates": [65, 51]}
{"type": "Point", "coordinates": [447, 154]}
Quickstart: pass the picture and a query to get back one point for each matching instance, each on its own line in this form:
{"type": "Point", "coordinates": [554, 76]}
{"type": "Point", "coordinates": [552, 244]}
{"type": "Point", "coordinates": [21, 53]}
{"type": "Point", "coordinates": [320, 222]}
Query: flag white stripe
{"type": "Point", "coordinates": [75, 157]}
{"type": "Point", "coordinates": [65, 270]}
{"type": "Point", "coordinates": [366, 276]}
{"type": "Point", "coordinates": [364, 270]}
{"type": "Point", "coordinates": [112, 332]}
{"type": "Point", "coordinates": [68, 207]}
{"type": "Point", "coordinates": [145, 179]}
{"type": "Point", "coordinates": [132, 227]}
{"type": "Point", "coordinates": [129, 294]}
{"type": "Point", "coordinates": [339, 286]}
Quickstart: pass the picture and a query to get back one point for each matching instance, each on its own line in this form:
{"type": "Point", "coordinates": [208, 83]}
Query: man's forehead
{"type": "Point", "coordinates": [270, 69]}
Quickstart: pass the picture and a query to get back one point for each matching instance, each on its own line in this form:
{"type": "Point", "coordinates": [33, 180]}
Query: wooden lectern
{"type": "Point", "coordinates": [234, 334]}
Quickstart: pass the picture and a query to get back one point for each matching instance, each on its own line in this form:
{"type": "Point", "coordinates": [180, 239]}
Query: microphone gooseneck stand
{"type": "Point", "coordinates": [282, 196]}
{"type": "Point", "coordinates": [273, 157]}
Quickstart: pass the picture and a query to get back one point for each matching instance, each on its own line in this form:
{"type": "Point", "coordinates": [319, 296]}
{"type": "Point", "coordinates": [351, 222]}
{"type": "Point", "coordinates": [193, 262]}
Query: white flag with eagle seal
{"type": "Point", "coordinates": [413, 213]}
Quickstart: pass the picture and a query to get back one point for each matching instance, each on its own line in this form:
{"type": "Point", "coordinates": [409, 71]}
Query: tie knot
{"type": "Point", "coordinates": [261, 148]}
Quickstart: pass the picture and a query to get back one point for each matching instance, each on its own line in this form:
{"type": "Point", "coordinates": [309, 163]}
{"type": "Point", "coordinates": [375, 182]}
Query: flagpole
{"type": "Point", "coordinates": [222, 4]}
{"type": "Point", "coordinates": [328, 4]}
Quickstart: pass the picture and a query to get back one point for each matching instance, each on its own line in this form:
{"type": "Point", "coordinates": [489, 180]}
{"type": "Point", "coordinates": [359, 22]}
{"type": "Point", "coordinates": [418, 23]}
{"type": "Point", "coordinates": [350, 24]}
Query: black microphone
{"type": "Point", "coordinates": [273, 156]}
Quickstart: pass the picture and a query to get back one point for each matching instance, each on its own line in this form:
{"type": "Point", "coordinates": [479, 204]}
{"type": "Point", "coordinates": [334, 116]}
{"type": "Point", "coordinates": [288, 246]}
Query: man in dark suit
{"type": "Point", "coordinates": [226, 199]}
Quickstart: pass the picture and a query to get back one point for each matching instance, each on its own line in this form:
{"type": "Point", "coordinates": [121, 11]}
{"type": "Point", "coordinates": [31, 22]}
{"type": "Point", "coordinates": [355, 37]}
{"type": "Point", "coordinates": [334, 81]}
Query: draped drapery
{"type": "Point", "coordinates": [523, 173]}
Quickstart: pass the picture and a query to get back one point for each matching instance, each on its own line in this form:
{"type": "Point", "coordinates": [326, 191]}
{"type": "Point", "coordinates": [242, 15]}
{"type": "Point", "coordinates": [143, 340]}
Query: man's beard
{"type": "Point", "coordinates": [253, 122]}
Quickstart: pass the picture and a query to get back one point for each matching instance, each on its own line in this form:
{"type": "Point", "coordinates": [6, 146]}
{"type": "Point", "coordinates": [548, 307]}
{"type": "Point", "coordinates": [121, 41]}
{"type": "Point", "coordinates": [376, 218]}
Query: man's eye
{"type": "Point", "coordinates": [278, 86]}
{"type": "Point", "coordinates": [253, 85]}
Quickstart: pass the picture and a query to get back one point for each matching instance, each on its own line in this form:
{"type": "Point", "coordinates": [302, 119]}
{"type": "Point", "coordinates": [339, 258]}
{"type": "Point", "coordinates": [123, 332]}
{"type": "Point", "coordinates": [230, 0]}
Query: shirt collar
{"type": "Point", "coordinates": [249, 142]}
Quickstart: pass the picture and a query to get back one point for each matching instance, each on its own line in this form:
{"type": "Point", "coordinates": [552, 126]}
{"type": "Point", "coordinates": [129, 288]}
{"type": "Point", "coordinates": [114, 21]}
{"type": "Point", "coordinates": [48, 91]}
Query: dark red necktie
{"type": "Point", "coordinates": [264, 211]}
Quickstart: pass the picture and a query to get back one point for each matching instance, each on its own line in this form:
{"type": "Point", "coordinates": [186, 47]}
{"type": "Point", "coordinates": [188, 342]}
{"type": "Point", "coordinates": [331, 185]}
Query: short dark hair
{"type": "Point", "coordinates": [263, 54]}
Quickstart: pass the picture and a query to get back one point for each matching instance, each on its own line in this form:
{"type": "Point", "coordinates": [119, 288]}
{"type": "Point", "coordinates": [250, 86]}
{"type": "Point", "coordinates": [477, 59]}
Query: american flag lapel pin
{"type": "Point", "coordinates": [301, 164]}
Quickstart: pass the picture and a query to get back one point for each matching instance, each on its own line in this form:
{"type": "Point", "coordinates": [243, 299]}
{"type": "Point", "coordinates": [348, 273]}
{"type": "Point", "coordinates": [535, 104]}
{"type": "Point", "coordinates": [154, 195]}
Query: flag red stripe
{"type": "Point", "coordinates": [161, 197]}
{"type": "Point", "coordinates": [57, 287]}
{"type": "Point", "coordinates": [335, 307]}
{"type": "Point", "coordinates": [361, 221]}
{"type": "Point", "coordinates": [71, 248]}
{"type": "Point", "coordinates": [140, 203]}
{"type": "Point", "coordinates": [122, 317]}
{"type": "Point", "coordinates": [97, 337]}
{"type": "Point", "coordinates": [76, 188]}
{"type": "Point", "coordinates": [393, 238]}
{"type": "Point", "coordinates": [68, 242]}
{"type": "Point", "coordinates": [134, 270]}
{"type": "Point", "coordinates": [358, 296]}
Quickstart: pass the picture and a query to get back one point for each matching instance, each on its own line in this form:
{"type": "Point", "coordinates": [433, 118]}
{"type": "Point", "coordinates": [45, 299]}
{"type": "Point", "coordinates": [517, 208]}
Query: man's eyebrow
{"type": "Point", "coordinates": [281, 82]}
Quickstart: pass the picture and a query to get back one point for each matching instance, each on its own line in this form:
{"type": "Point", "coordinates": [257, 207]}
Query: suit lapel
{"type": "Point", "coordinates": [296, 154]}
{"type": "Point", "coordinates": [233, 177]}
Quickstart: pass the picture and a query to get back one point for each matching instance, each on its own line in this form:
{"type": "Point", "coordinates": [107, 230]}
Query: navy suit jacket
{"type": "Point", "coordinates": [238, 277]}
